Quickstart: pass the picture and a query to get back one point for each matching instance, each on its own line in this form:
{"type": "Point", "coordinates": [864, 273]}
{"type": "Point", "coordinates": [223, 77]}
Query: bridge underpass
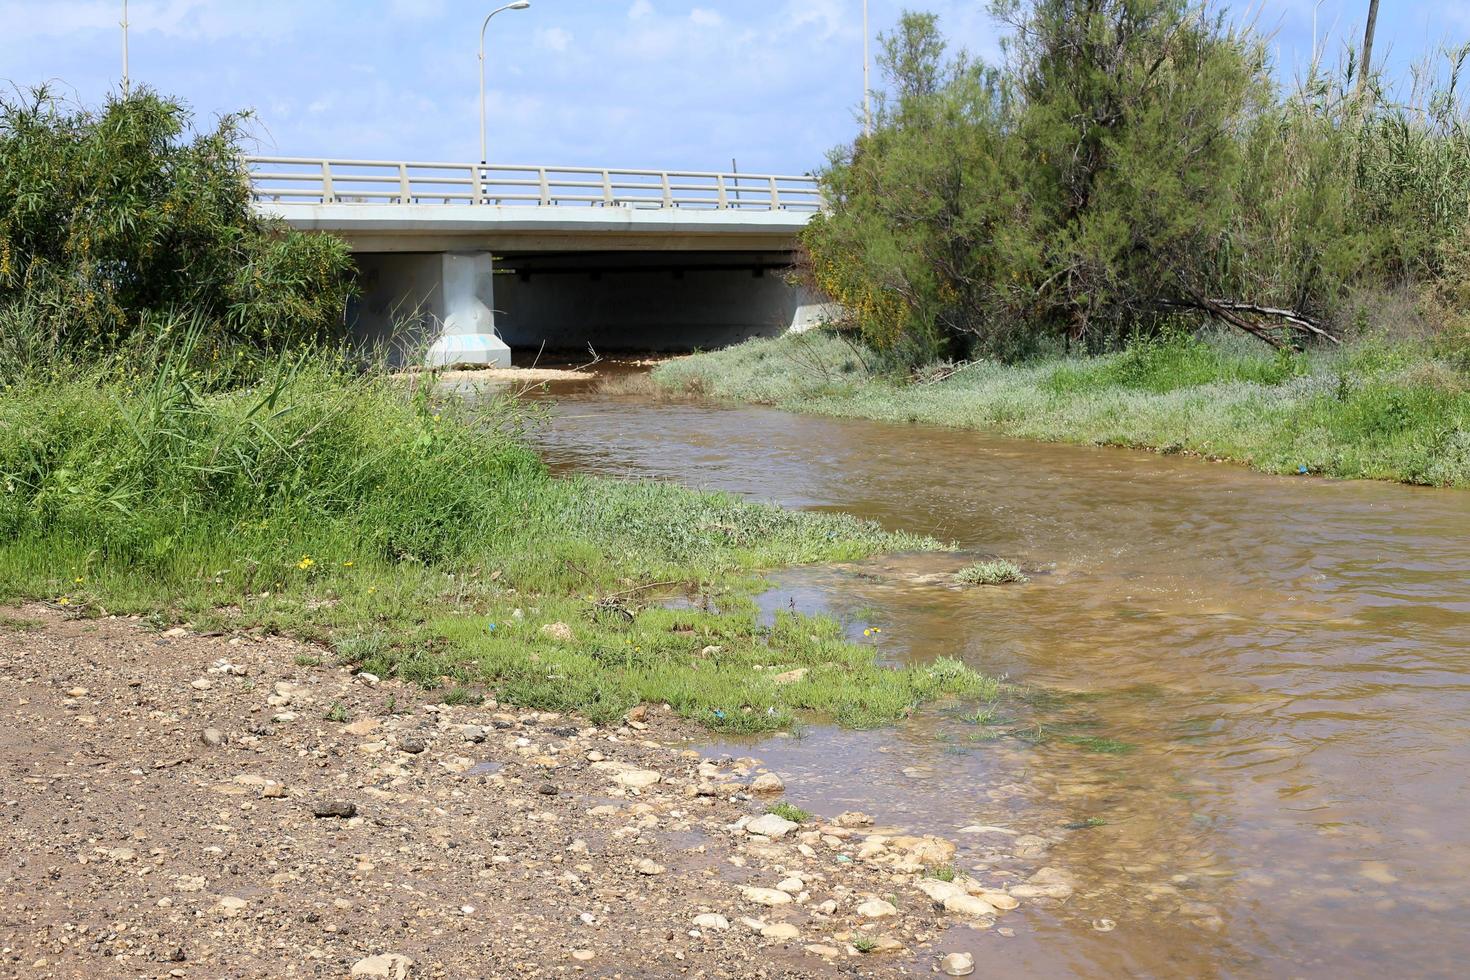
{"type": "Point", "coordinates": [609, 301]}
{"type": "Point", "coordinates": [484, 259]}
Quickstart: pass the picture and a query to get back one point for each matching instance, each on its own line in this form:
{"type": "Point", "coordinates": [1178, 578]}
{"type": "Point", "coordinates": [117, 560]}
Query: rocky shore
{"type": "Point", "coordinates": [185, 805]}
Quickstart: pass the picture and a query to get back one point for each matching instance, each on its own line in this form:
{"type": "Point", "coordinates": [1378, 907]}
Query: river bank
{"type": "Point", "coordinates": [416, 534]}
{"type": "Point", "coordinates": [228, 805]}
{"type": "Point", "coordinates": [1371, 410]}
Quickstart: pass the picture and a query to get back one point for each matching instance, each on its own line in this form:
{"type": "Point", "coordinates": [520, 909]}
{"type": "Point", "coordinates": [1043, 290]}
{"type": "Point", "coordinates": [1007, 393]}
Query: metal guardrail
{"type": "Point", "coordinates": [303, 180]}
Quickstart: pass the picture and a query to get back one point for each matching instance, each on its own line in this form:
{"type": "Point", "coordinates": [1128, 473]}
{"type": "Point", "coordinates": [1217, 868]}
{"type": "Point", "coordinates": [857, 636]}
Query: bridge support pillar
{"type": "Point", "coordinates": [468, 332]}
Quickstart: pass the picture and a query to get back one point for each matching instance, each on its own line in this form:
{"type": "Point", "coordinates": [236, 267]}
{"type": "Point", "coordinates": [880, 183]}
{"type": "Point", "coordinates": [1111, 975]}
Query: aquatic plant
{"type": "Point", "coordinates": [997, 571]}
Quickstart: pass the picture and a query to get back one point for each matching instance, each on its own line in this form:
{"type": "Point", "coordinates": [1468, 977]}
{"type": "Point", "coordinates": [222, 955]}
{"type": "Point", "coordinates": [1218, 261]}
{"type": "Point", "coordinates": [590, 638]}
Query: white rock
{"type": "Point", "coordinates": [200, 684]}
{"type": "Point", "coordinates": [876, 908]}
{"type": "Point", "coordinates": [710, 920]}
{"type": "Point", "coordinates": [770, 825]}
{"type": "Point", "coordinates": [766, 896]}
{"type": "Point", "coordinates": [958, 965]}
{"type": "Point", "coordinates": [791, 886]}
{"type": "Point", "coordinates": [969, 905]}
{"type": "Point", "coordinates": [647, 867]}
{"type": "Point", "coordinates": [781, 930]}
{"type": "Point", "coordinates": [558, 631]}
{"type": "Point", "coordinates": [938, 890]}
{"type": "Point", "coordinates": [389, 966]}
{"type": "Point", "coordinates": [231, 906]}
{"type": "Point", "coordinates": [638, 778]}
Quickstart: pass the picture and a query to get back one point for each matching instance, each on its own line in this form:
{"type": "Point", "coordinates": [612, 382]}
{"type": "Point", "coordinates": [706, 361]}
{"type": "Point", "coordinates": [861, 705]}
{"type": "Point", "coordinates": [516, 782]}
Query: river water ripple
{"type": "Point", "coordinates": [1251, 737]}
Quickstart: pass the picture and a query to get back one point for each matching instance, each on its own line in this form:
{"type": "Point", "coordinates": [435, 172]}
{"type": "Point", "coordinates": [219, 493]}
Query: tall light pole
{"type": "Point", "coordinates": [517, 5]}
{"type": "Point", "coordinates": [124, 26]}
{"type": "Point", "coordinates": [867, 106]}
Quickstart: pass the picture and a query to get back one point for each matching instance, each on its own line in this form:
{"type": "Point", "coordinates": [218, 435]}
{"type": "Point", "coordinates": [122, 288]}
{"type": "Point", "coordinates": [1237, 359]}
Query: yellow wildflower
{"type": "Point", "coordinates": [305, 562]}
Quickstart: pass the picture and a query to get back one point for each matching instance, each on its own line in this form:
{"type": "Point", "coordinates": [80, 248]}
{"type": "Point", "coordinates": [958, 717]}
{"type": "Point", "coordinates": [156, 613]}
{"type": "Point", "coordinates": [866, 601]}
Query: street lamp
{"type": "Point", "coordinates": [867, 106]}
{"type": "Point", "coordinates": [518, 5]}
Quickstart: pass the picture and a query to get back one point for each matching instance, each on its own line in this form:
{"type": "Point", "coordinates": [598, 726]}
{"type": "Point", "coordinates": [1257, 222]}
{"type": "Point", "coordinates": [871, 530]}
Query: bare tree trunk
{"type": "Point", "coordinates": [1367, 63]}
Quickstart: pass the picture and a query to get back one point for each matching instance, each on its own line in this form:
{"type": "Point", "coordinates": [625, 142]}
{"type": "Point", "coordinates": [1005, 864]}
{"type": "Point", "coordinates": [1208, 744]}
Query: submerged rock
{"type": "Point", "coordinates": [767, 782]}
{"type": "Point", "coordinates": [958, 965]}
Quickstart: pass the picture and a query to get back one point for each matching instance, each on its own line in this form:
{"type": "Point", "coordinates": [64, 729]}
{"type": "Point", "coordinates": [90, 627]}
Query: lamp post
{"type": "Point", "coordinates": [867, 107]}
{"type": "Point", "coordinates": [517, 5]}
{"type": "Point", "coordinates": [124, 26]}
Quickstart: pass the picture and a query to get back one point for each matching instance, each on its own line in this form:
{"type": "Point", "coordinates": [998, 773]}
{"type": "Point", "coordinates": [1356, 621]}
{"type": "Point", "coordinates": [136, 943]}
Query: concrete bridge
{"type": "Point", "coordinates": [614, 259]}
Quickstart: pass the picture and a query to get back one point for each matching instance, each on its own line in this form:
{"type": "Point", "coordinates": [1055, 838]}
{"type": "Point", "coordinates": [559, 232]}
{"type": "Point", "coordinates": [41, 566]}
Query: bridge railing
{"type": "Point", "coordinates": [302, 180]}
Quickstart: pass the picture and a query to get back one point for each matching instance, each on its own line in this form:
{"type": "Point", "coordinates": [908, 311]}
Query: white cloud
{"type": "Point", "coordinates": [705, 18]}
{"type": "Point", "coordinates": [554, 38]}
{"type": "Point", "coordinates": [640, 8]}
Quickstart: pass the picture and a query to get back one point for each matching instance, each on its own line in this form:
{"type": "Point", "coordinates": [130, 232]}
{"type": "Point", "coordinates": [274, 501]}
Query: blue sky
{"type": "Point", "coordinates": [626, 83]}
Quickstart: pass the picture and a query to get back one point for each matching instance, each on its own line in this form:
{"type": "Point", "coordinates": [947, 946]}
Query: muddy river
{"type": "Point", "coordinates": [1245, 723]}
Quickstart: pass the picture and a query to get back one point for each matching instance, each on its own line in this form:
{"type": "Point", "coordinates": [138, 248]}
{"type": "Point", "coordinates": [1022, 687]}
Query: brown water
{"type": "Point", "coordinates": [1261, 685]}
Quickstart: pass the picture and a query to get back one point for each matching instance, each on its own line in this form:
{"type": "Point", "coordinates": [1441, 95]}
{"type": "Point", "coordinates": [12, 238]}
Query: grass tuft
{"type": "Point", "coordinates": [998, 571]}
{"type": "Point", "coordinates": [789, 812]}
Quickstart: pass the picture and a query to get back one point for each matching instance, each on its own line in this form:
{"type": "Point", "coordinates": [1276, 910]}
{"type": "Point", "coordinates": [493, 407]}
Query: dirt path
{"type": "Point", "coordinates": [177, 805]}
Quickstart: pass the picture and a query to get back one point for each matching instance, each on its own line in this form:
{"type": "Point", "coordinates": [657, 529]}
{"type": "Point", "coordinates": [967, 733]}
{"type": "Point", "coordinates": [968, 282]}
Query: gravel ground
{"type": "Point", "coordinates": [185, 805]}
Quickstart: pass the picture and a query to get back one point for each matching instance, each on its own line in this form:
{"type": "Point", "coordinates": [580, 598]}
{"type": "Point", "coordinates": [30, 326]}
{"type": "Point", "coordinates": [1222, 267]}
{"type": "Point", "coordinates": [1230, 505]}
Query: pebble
{"type": "Point", "coordinates": [232, 906]}
{"type": "Point", "coordinates": [547, 789]}
{"type": "Point", "coordinates": [647, 867]}
{"type": "Point", "coordinates": [200, 684]}
{"type": "Point", "coordinates": [958, 965]}
{"type": "Point", "coordinates": [473, 733]}
{"type": "Point", "coordinates": [710, 920]}
{"type": "Point", "coordinates": [212, 737]}
{"type": "Point", "coordinates": [781, 930]}
{"type": "Point", "coordinates": [387, 966]}
{"type": "Point", "coordinates": [582, 955]}
{"type": "Point", "coordinates": [412, 744]}
{"type": "Point", "coordinates": [767, 782]}
{"type": "Point", "coordinates": [770, 825]}
{"type": "Point", "coordinates": [335, 808]}
{"type": "Point", "coordinates": [769, 896]}
{"type": "Point", "coordinates": [558, 631]}
{"type": "Point", "coordinates": [968, 905]}
{"type": "Point", "coordinates": [791, 886]}
{"type": "Point", "coordinates": [638, 778]}
{"type": "Point", "coordinates": [876, 908]}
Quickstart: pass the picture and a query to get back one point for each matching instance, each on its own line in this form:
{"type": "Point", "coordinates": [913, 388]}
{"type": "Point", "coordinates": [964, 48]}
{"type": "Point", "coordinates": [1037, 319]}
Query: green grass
{"type": "Point", "coordinates": [944, 872]}
{"type": "Point", "coordinates": [864, 944]}
{"type": "Point", "coordinates": [1373, 409]}
{"type": "Point", "coordinates": [419, 538]}
{"type": "Point", "coordinates": [997, 571]}
{"type": "Point", "coordinates": [337, 712]}
{"type": "Point", "coordinates": [789, 812]}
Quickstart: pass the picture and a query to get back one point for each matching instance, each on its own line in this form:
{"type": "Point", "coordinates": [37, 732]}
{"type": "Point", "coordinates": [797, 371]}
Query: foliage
{"type": "Point", "coordinates": [1124, 161]}
{"type": "Point", "coordinates": [115, 219]}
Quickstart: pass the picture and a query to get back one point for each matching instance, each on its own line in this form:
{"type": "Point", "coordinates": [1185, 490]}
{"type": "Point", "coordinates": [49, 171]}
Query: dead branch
{"type": "Point", "coordinates": [1290, 316]}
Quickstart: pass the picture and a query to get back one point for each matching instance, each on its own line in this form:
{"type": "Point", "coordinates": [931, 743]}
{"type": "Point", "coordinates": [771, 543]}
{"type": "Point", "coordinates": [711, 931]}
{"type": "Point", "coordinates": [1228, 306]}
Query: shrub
{"type": "Point", "coordinates": [111, 219]}
{"type": "Point", "coordinates": [1126, 167]}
